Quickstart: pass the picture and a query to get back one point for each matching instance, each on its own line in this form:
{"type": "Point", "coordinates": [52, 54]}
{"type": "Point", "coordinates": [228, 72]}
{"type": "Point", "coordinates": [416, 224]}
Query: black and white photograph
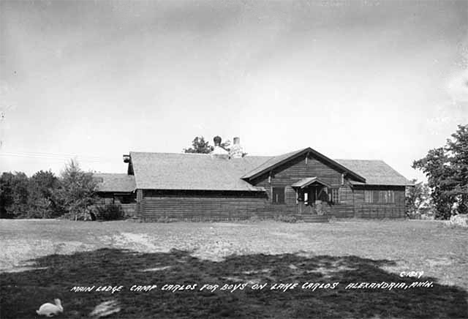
{"type": "Point", "coordinates": [206, 159]}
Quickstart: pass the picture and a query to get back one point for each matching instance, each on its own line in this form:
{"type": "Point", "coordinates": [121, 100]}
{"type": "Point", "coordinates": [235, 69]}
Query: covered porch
{"type": "Point", "coordinates": [313, 199]}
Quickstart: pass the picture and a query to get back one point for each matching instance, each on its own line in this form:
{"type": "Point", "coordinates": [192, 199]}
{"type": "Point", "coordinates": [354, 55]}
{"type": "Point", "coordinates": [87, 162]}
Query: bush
{"type": "Point", "coordinates": [82, 215]}
{"type": "Point", "coordinates": [110, 212]}
{"type": "Point", "coordinates": [413, 215]}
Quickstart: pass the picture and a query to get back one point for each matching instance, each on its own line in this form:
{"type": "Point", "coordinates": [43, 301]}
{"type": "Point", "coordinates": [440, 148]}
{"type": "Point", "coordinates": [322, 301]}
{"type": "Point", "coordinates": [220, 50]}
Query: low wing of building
{"type": "Point", "coordinates": [115, 188]}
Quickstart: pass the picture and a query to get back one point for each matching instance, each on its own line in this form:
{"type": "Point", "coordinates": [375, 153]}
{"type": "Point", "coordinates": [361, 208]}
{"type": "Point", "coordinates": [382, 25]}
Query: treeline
{"type": "Point", "coordinates": [72, 194]}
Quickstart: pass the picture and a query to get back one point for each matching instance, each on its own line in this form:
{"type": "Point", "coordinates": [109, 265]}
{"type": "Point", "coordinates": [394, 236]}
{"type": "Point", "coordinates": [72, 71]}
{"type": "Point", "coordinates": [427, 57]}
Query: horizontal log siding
{"type": "Point", "coordinates": [290, 196]}
{"type": "Point", "coordinates": [288, 174]}
{"type": "Point", "coordinates": [345, 207]}
{"type": "Point", "coordinates": [139, 199]}
{"type": "Point", "coordinates": [202, 206]}
{"type": "Point", "coordinates": [298, 169]}
{"type": "Point", "coordinates": [380, 210]}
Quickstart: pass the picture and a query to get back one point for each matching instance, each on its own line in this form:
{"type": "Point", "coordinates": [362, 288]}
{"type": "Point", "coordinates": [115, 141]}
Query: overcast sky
{"type": "Point", "coordinates": [352, 79]}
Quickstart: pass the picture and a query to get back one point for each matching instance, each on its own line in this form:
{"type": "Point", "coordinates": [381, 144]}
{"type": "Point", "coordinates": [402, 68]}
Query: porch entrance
{"type": "Point", "coordinates": [312, 196]}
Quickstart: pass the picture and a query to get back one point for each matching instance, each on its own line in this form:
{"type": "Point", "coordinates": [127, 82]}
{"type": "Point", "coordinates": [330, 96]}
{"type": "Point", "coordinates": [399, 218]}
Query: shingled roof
{"type": "Point", "coordinates": [172, 171]}
{"type": "Point", "coordinates": [116, 183]}
{"type": "Point", "coordinates": [271, 162]}
{"type": "Point", "coordinates": [308, 181]}
{"type": "Point", "coordinates": [376, 172]}
{"type": "Point", "coordinates": [179, 171]}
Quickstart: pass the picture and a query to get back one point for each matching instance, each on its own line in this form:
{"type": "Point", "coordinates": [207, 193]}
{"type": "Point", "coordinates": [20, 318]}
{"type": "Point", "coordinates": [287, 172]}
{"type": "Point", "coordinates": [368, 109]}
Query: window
{"type": "Point", "coordinates": [277, 195]}
{"type": "Point", "coordinates": [379, 197]}
{"type": "Point", "coordinates": [387, 197]}
{"type": "Point", "coordinates": [368, 198]}
{"type": "Point", "coordinates": [335, 195]}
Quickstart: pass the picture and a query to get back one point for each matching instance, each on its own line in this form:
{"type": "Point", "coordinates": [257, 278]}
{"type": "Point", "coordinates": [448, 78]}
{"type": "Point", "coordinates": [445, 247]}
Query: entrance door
{"type": "Point", "coordinates": [311, 199]}
{"type": "Point", "coordinates": [305, 200]}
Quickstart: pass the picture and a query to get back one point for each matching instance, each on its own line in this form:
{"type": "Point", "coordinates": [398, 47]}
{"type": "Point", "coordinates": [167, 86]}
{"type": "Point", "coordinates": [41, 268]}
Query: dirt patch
{"type": "Point", "coordinates": [439, 262]}
{"type": "Point", "coordinates": [134, 241]}
{"type": "Point", "coordinates": [18, 252]}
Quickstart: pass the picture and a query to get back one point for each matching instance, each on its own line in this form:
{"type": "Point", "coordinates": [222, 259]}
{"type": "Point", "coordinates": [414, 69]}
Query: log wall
{"type": "Point", "coordinates": [345, 207]}
{"type": "Point", "coordinates": [217, 207]}
{"type": "Point", "coordinates": [298, 169]}
{"type": "Point", "coordinates": [196, 206]}
{"type": "Point", "coordinates": [380, 210]}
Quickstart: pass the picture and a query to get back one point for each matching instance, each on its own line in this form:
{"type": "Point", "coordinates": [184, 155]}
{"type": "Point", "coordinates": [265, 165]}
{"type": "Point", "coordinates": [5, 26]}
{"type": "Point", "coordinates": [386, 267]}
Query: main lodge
{"type": "Point", "coordinates": [303, 184]}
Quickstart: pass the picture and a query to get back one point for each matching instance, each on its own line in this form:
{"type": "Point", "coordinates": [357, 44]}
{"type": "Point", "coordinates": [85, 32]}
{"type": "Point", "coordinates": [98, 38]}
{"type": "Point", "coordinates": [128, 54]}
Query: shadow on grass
{"type": "Point", "coordinates": [23, 292]}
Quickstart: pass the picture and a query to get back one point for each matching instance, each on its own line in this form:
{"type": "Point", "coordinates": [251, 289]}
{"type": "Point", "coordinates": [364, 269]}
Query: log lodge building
{"type": "Point", "coordinates": [304, 184]}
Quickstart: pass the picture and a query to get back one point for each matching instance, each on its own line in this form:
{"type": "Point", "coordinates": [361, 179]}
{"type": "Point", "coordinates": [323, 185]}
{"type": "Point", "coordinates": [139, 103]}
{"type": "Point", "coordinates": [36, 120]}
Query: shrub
{"type": "Point", "coordinates": [110, 212]}
{"type": "Point", "coordinates": [413, 215]}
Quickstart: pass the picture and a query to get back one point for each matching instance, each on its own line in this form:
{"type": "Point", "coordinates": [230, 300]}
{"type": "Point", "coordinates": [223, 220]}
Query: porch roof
{"type": "Point", "coordinates": [308, 181]}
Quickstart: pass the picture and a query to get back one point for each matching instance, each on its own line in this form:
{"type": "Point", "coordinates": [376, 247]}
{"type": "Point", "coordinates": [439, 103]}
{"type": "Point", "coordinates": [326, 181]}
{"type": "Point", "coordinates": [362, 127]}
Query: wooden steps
{"type": "Point", "coordinates": [313, 218]}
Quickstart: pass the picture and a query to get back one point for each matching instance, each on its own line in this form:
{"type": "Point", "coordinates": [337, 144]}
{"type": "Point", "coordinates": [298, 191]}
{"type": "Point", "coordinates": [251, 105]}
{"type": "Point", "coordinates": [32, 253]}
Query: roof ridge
{"type": "Point", "coordinates": [171, 153]}
{"type": "Point", "coordinates": [200, 154]}
{"type": "Point", "coordinates": [358, 159]}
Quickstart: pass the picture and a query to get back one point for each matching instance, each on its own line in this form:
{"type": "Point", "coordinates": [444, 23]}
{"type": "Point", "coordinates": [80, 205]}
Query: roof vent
{"type": "Point", "coordinates": [126, 158]}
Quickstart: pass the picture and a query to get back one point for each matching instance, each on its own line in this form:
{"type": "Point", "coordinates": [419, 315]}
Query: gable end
{"type": "Point", "coordinates": [278, 161]}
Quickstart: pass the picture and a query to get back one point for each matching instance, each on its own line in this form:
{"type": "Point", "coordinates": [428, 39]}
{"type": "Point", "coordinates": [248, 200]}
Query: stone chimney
{"type": "Point", "coordinates": [236, 149]}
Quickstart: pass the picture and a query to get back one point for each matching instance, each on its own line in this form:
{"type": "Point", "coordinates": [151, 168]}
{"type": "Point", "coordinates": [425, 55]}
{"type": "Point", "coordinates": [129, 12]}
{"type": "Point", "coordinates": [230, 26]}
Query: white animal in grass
{"type": "Point", "coordinates": [49, 309]}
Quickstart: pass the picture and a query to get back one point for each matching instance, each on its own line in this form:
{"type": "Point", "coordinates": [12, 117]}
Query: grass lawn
{"type": "Point", "coordinates": [316, 263]}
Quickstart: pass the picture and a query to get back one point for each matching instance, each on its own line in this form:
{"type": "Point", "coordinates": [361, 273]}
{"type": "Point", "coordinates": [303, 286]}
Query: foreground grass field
{"type": "Point", "coordinates": [319, 265]}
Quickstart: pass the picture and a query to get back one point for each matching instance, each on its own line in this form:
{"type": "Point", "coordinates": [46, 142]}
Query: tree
{"type": "Point", "coordinates": [417, 198]}
{"type": "Point", "coordinates": [199, 145]}
{"type": "Point", "coordinates": [14, 193]}
{"type": "Point", "coordinates": [446, 169]}
{"type": "Point", "coordinates": [76, 193]}
{"type": "Point", "coordinates": [6, 195]}
{"type": "Point", "coordinates": [43, 188]}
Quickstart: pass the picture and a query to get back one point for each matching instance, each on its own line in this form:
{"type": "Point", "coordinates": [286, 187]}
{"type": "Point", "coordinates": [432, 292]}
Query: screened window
{"type": "Point", "coordinates": [387, 197]}
{"type": "Point", "coordinates": [379, 196]}
{"type": "Point", "coordinates": [277, 195]}
{"type": "Point", "coordinates": [335, 195]}
{"type": "Point", "coordinates": [368, 198]}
